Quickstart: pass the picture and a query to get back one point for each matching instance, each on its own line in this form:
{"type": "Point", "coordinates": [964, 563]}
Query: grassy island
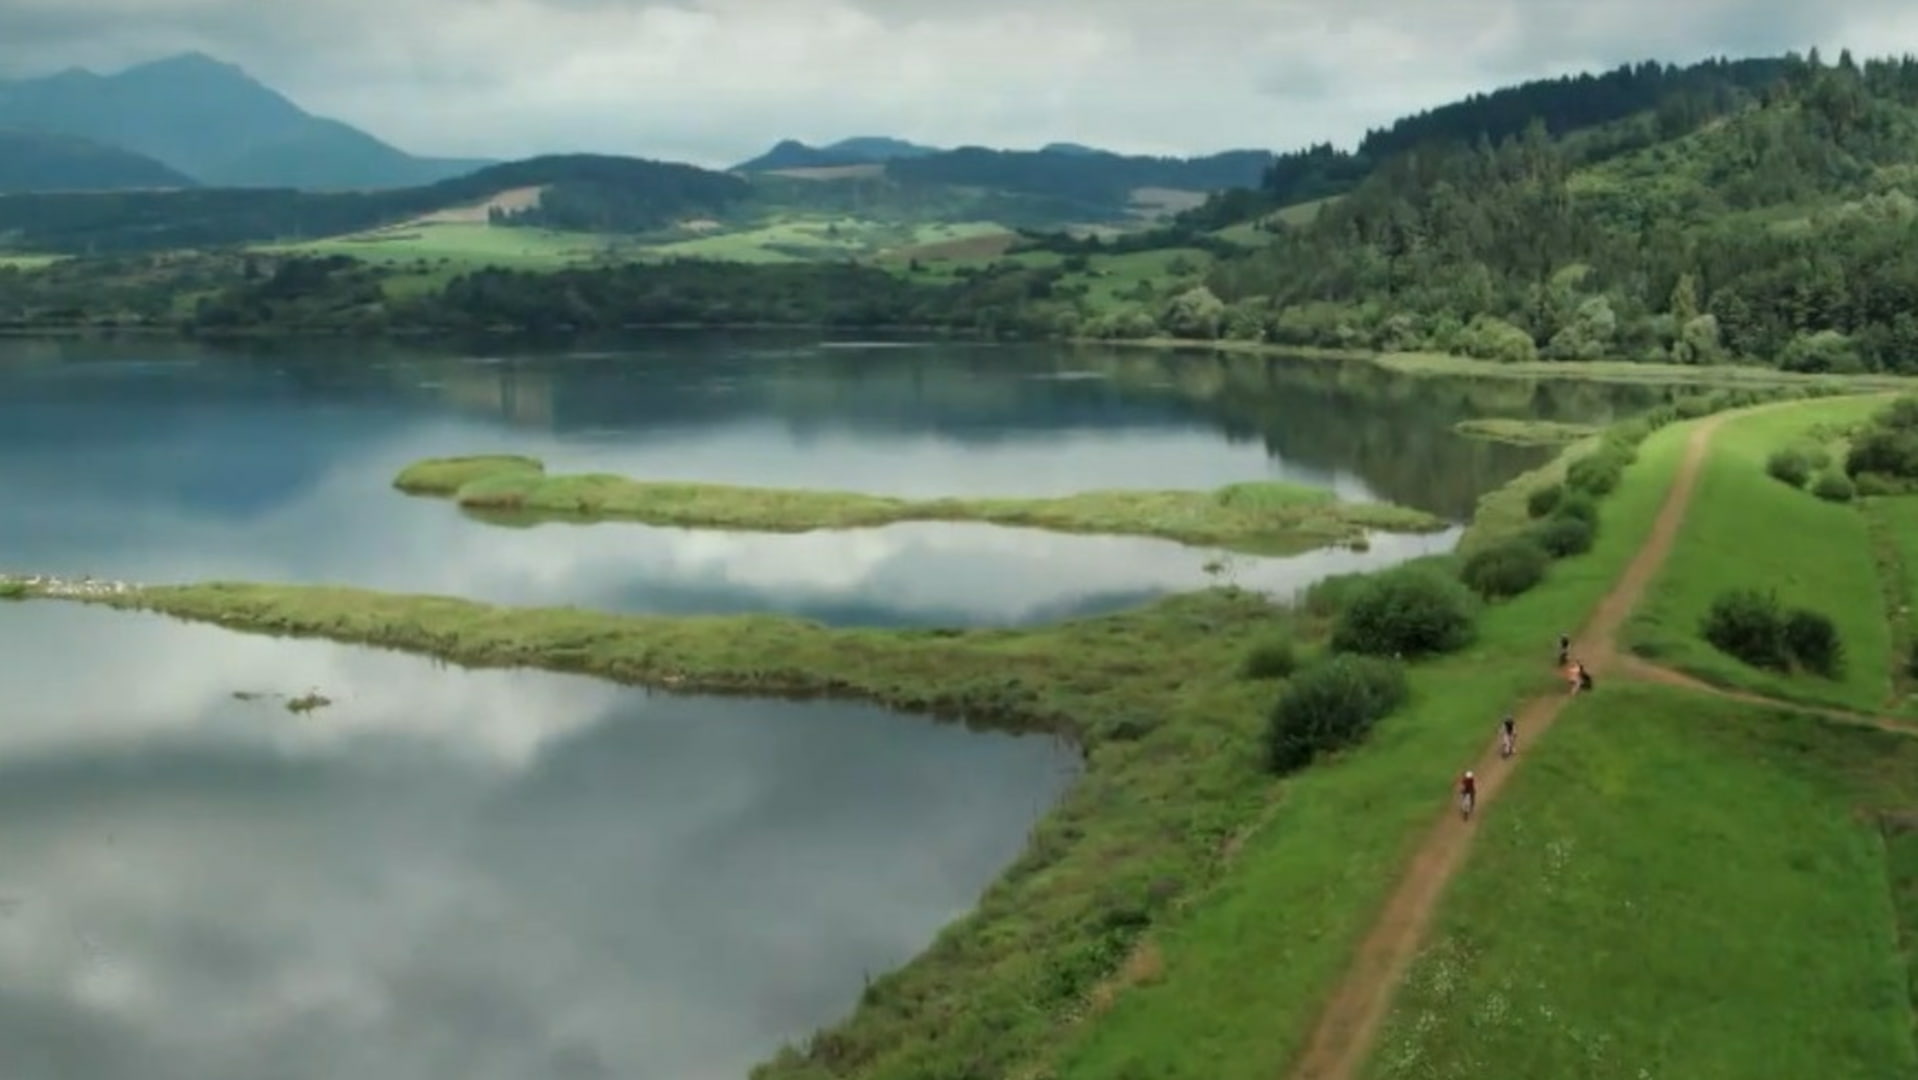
{"type": "Point", "coordinates": [1254, 518]}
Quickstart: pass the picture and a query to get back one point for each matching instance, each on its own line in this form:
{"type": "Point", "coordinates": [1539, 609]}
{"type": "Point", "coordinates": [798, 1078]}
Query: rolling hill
{"type": "Point", "coordinates": [213, 122]}
{"type": "Point", "coordinates": [36, 161]}
{"type": "Point", "coordinates": [860, 150]}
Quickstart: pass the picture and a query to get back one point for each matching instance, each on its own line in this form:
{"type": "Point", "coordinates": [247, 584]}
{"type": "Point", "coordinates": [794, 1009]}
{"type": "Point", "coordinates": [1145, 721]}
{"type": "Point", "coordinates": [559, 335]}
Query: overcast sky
{"type": "Point", "coordinates": [713, 81]}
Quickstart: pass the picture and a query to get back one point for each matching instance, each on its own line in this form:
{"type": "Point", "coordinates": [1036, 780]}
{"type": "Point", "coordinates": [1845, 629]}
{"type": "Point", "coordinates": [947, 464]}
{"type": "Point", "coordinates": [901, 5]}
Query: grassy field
{"type": "Point", "coordinates": [27, 262]}
{"type": "Point", "coordinates": [808, 239]}
{"type": "Point", "coordinates": [1747, 530]}
{"type": "Point", "coordinates": [463, 245]}
{"type": "Point", "coordinates": [1524, 432]}
{"type": "Point", "coordinates": [1901, 862]}
{"type": "Point", "coordinates": [1241, 975]}
{"type": "Point", "coordinates": [1675, 886]}
{"type": "Point", "coordinates": [1256, 518]}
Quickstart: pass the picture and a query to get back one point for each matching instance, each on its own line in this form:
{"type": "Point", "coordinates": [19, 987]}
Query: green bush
{"type": "Point", "coordinates": [12, 590]}
{"type": "Point", "coordinates": [1812, 640]}
{"type": "Point", "coordinates": [1276, 658]}
{"type": "Point", "coordinates": [1544, 500]}
{"type": "Point", "coordinates": [1408, 612]}
{"type": "Point", "coordinates": [1329, 706]}
{"type": "Point", "coordinates": [1750, 626]}
{"type": "Point", "coordinates": [1746, 624]}
{"type": "Point", "coordinates": [1834, 487]}
{"type": "Point", "coordinates": [1330, 596]}
{"type": "Point", "coordinates": [1789, 466]}
{"type": "Point", "coordinates": [1870, 483]}
{"type": "Point", "coordinates": [1506, 569]}
{"type": "Point", "coordinates": [1579, 506]}
{"type": "Point", "coordinates": [1598, 472]}
{"type": "Point", "coordinates": [1563, 536]}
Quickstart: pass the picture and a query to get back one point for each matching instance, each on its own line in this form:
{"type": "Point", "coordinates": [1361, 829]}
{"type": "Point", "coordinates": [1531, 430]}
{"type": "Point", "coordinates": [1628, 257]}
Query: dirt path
{"type": "Point", "coordinates": [1350, 1023]}
{"type": "Point", "coordinates": [1634, 667]}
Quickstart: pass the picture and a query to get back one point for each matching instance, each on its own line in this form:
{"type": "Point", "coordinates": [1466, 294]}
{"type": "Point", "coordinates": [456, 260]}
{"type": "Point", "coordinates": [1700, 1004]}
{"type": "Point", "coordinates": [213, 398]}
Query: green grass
{"type": "Point", "coordinates": [1901, 859]}
{"type": "Point", "coordinates": [1894, 530]}
{"type": "Point", "coordinates": [1257, 518]}
{"type": "Point", "coordinates": [1243, 972]}
{"type": "Point", "coordinates": [1747, 530]}
{"type": "Point", "coordinates": [1674, 886]}
{"type": "Point", "coordinates": [1524, 432]}
{"type": "Point", "coordinates": [463, 246]}
{"type": "Point", "coordinates": [802, 239]}
{"type": "Point", "coordinates": [28, 262]}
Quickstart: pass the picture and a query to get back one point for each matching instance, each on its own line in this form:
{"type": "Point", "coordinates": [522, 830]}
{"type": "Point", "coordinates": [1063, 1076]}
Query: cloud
{"type": "Point", "coordinates": [716, 80]}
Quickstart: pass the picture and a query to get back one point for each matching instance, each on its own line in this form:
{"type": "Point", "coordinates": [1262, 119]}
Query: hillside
{"type": "Point", "coordinates": [580, 192]}
{"type": "Point", "coordinates": [215, 123]}
{"type": "Point", "coordinates": [35, 161]}
{"type": "Point", "coordinates": [860, 150]}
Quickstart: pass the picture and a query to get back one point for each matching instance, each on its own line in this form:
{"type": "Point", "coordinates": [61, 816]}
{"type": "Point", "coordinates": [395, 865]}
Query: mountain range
{"type": "Point", "coordinates": [199, 120]}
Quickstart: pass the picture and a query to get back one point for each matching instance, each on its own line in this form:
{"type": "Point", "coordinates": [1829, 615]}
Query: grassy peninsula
{"type": "Point", "coordinates": [1255, 518]}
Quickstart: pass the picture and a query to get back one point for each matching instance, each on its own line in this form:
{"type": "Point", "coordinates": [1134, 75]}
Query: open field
{"type": "Point", "coordinates": [27, 262]}
{"type": "Point", "coordinates": [1257, 518]}
{"type": "Point", "coordinates": [1748, 530]}
{"type": "Point", "coordinates": [1673, 886]}
{"type": "Point", "coordinates": [466, 246]}
{"type": "Point", "coordinates": [801, 239]}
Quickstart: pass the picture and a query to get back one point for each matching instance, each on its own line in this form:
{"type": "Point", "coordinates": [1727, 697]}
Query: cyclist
{"type": "Point", "coordinates": [1508, 736]}
{"type": "Point", "coordinates": [1467, 794]}
{"type": "Point", "coordinates": [1564, 649]}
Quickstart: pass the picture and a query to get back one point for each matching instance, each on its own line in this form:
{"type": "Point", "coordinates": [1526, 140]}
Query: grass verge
{"type": "Point", "coordinates": [1643, 904]}
{"type": "Point", "coordinates": [1256, 518]}
{"type": "Point", "coordinates": [1747, 530]}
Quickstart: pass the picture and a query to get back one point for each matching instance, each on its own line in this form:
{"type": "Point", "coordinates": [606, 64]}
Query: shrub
{"type": "Point", "coordinates": [1834, 487]}
{"type": "Point", "coordinates": [1579, 506]}
{"type": "Point", "coordinates": [1871, 483]}
{"type": "Point", "coordinates": [1563, 536]}
{"type": "Point", "coordinates": [1598, 472]}
{"type": "Point", "coordinates": [1789, 466]}
{"type": "Point", "coordinates": [1506, 569]}
{"type": "Point", "coordinates": [1407, 612]}
{"type": "Point", "coordinates": [1544, 500]}
{"type": "Point", "coordinates": [1812, 640]}
{"type": "Point", "coordinates": [12, 590]}
{"type": "Point", "coordinates": [1330, 596]}
{"type": "Point", "coordinates": [1329, 706]}
{"type": "Point", "coordinates": [1746, 624]}
{"type": "Point", "coordinates": [1276, 658]}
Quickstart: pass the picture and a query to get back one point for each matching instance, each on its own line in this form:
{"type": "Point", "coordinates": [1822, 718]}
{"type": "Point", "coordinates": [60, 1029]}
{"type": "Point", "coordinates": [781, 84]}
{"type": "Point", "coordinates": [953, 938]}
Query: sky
{"type": "Point", "coordinates": [716, 81]}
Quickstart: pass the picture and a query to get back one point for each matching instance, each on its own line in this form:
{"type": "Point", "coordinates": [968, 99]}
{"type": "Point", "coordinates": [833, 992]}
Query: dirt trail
{"type": "Point", "coordinates": [1645, 671]}
{"type": "Point", "coordinates": [1350, 1023]}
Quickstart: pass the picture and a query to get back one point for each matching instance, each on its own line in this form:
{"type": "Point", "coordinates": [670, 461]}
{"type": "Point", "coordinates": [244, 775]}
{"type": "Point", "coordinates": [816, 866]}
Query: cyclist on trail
{"type": "Point", "coordinates": [1564, 649]}
{"type": "Point", "coordinates": [1508, 736]}
{"type": "Point", "coordinates": [1467, 794]}
{"type": "Point", "coordinates": [1582, 679]}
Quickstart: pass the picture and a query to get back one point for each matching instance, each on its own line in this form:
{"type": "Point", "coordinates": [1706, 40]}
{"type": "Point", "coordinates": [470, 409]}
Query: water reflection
{"type": "Point", "coordinates": [446, 873]}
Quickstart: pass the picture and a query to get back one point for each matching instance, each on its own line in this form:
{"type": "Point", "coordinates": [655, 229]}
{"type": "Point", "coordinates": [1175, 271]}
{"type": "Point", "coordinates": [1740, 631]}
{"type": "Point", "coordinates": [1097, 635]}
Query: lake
{"type": "Point", "coordinates": [521, 876]}
{"type": "Point", "coordinates": [169, 461]}
{"type": "Point", "coordinates": [488, 875]}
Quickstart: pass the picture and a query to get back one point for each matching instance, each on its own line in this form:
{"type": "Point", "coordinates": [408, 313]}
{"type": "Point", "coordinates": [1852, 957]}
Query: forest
{"type": "Point", "coordinates": [1727, 218]}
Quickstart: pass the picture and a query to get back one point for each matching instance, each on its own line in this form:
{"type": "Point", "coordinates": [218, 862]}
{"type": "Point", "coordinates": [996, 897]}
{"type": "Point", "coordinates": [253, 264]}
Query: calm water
{"type": "Point", "coordinates": [158, 461]}
{"type": "Point", "coordinates": [487, 875]}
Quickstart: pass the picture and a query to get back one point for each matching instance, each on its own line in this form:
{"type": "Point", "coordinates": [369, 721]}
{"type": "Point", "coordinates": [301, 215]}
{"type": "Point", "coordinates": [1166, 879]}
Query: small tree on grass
{"type": "Point", "coordinates": [1834, 487]}
{"type": "Point", "coordinates": [1746, 624]}
{"type": "Point", "coordinates": [1789, 466]}
{"type": "Point", "coordinates": [1812, 640]}
{"type": "Point", "coordinates": [1505, 570]}
{"type": "Point", "coordinates": [1751, 626]}
{"type": "Point", "coordinates": [1563, 536]}
{"type": "Point", "coordinates": [1331, 705]}
{"type": "Point", "coordinates": [1409, 612]}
